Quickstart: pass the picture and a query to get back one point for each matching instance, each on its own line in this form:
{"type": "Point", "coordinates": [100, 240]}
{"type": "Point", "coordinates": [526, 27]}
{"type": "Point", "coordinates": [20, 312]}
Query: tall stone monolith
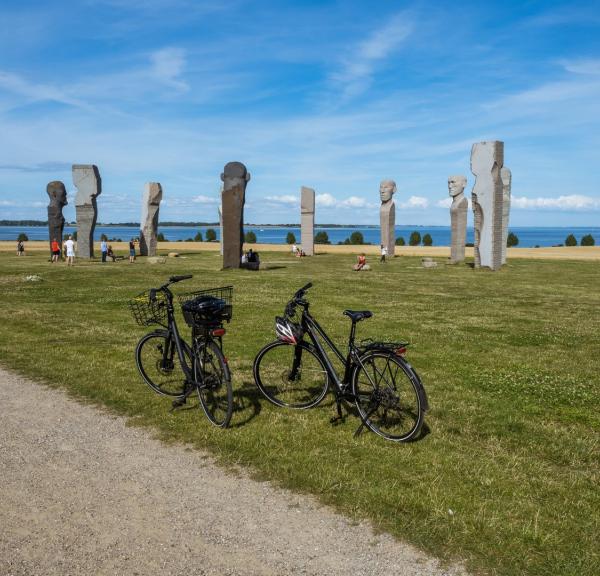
{"type": "Point", "coordinates": [56, 221]}
{"type": "Point", "coordinates": [235, 177]}
{"type": "Point", "coordinates": [307, 220]}
{"type": "Point", "coordinates": [220, 227]}
{"type": "Point", "coordinates": [387, 215]}
{"type": "Point", "coordinates": [506, 176]}
{"type": "Point", "coordinates": [149, 222]}
{"type": "Point", "coordinates": [86, 178]}
{"type": "Point", "coordinates": [458, 218]}
{"type": "Point", "coordinates": [487, 198]}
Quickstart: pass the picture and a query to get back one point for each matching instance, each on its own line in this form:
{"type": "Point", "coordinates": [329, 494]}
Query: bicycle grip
{"type": "Point", "coordinates": [303, 289]}
{"type": "Point", "coordinates": [180, 278]}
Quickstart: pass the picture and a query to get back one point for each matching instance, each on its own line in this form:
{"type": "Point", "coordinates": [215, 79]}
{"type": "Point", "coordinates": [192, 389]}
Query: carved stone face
{"type": "Point", "coordinates": [456, 185]}
{"type": "Point", "coordinates": [387, 188]}
{"type": "Point", "coordinates": [234, 174]}
{"type": "Point", "coordinates": [57, 193]}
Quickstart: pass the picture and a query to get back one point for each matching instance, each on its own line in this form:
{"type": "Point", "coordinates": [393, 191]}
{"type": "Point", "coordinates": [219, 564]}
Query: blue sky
{"type": "Point", "coordinates": [331, 95]}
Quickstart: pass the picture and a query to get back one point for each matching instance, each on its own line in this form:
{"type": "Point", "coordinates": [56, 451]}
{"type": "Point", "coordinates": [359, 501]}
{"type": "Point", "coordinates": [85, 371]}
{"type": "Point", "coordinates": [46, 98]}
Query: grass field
{"type": "Point", "coordinates": [507, 477]}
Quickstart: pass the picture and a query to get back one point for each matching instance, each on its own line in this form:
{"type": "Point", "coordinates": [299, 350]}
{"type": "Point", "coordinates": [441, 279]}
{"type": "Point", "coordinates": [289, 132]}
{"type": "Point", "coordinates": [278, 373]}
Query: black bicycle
{"type": "Point", "coordinates": [385, 388]}
{"type": "Point", "coordinates": [171, 366]}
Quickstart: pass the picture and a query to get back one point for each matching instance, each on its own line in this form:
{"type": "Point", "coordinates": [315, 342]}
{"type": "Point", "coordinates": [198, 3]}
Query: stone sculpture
{"type": "Point", "coordinates": [89, 185]}
{"type": "Point", "coordinates": [235, 177]}
{"type": "Point", "coordinates": [56, 221]}
{"type": "Point", "coordinates": [458, 218]}
{"type": "Point", "coordinates": [506, 176]}
{"type": "Point", "coordinates": [486, 162]}
{"type": "Point", "coordinates": [149, 222]}
{"type": "Point", "coordinates": [387, 215]}
{"type": "Point", "coordinates": [307, 220]}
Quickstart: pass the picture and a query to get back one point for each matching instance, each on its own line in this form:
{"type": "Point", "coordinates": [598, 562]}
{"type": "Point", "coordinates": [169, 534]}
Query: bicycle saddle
{"type": "Point", "coordinates": [357, 316]}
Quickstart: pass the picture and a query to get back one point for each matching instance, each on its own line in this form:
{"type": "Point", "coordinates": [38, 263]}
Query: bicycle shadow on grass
{"type": "Point", "coordinates": [246, 404]}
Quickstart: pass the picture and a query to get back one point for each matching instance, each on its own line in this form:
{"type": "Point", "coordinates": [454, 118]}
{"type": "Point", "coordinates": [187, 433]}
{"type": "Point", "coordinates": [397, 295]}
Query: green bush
{"type": "Point", "coordinates": [103, 238]}
{"type": "Point", "coordinates": [415, 239]}
{"type": "Point", "coordinates": [322, 238]}
{"type": "Point", "coordinates": [400, 241]}
{"type": "Point", "coordinates": [22, 237]}
{"type": "Point", "coordinates": [74, 235]}
{"type": "Point", "coordinates": [160, 237]}
{"type": "Point", "coordinates": [427, 240]}
{"type": "Point", "coordinates": [571, 240]}
{"type": "Point", "coordinates": [250, 237]}
{"type": "Point", "coordinates": [198, 237]}
{"type": "Point", "coordinates": [588, 240]}
{"type": "Point", "coordinates": [512, 240]}
{"type": "Point", "coordinates": [290, 238]}
{"type": "Point", "coordinates": [356, 238]}
{"type": "Point", "coordinates": [211, 235]}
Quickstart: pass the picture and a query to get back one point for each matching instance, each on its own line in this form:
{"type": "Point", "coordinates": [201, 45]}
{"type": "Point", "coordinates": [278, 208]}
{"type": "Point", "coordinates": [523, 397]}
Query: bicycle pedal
{"type": "Point", "coordinates": [335, 420]}
{"type": "Point", "coordinates": [177, 404]}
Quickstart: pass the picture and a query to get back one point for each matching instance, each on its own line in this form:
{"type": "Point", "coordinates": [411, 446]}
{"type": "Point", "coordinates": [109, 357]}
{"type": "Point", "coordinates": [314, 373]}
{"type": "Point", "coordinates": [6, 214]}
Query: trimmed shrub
{"type": "Point", "coordinates": [103, 237]}
{"type": "Point", "coordinates": [22, 237]}
{"type": "Point", "coordinates": [160, 237]}
{"type": "Point", "coordinates": [322, 238]}
{"type": "Point", "coordinates": [211, 235]}
{"type": "Point", "coordinates": [356, 238]}
{"type": "Point", "coordinates": [571, 240]}
{"type": "Point", "coordinates": [588, 240]}
{"type": "Point", "coordinates": [400, 241]}
{"type": "Point", "coordinates": [250, 237]}
{"type": "Point", "coordinates": [198, 237]}
{"type": "Point", "coordinates": [415, 239]}
{"type": "Point", "coordinates": [290, 238]}
{"type": "Point", "coordinates": [512, 240]}
{"type": "Point", "coordinates": [427, 240]}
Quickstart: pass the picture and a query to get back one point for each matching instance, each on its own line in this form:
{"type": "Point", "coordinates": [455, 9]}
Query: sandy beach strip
{"type": "Point", "coordinates": [546, 253]}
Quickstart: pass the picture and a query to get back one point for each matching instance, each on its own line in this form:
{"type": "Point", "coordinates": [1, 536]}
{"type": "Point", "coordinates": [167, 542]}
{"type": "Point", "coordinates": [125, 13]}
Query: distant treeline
{"type": "Point", "coordinates": [23, 222]}
{"type": "Point", "coordinates": [185, 224]}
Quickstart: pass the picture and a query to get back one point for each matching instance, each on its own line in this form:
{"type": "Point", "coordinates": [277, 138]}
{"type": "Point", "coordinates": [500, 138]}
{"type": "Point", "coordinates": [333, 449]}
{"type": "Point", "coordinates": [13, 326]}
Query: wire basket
{"type": "Point", "coordinates": [146, 311]}
{"type": "Point", "coordinates": [214, 306]}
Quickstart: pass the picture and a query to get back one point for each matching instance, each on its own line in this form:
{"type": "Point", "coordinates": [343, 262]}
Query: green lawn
{"type": "Point", "coordinates": [507, 478]}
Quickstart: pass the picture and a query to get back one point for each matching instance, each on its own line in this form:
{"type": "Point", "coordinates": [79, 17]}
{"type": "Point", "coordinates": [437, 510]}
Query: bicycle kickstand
{"type": "Point", "coordinates": [181, 400]}
{"type": "Point", "coordinates": [340, 417]}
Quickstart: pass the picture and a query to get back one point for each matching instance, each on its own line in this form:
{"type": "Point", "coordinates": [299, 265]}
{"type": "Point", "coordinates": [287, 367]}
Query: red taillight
{"type": "Point", "coordinates": [400, 351]}
{"type": "Point", "coordinates": [218, 332]}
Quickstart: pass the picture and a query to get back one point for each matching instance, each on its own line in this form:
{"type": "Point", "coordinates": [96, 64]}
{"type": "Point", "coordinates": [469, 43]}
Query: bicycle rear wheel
{"type": "Point", "coordinates": [389, 396]}
{"type": "Point", "coordinates": [291, 376]}
{"type": "Point", "coordinates": [157, 360]}
{"type": "Point", "coordinates": [213, 382]}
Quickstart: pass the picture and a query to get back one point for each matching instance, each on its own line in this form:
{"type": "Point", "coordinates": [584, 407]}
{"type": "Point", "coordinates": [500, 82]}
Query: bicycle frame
{"type": "Point", "coordinates": [314, 329]}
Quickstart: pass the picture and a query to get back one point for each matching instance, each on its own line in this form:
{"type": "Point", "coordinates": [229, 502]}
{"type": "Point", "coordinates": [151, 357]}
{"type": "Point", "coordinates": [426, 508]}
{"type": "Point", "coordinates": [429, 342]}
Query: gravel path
{"type": "Point", "coordinates": [81, 493]}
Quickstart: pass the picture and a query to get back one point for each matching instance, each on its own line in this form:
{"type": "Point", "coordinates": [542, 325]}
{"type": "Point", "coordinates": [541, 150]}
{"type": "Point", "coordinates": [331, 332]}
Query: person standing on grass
{"type": "Point", "coordinates": [55, 248]}
{"type": "Point", "coordinates": [20, 248]}
{"type": "Point", "coordinates": [70, 248]}
{"type": "Point", "coordinates": [132, 251]}
{"type": "Point", "coordinates": [383, 253]}
{"type": "Point", "coordinates": [103, 249]}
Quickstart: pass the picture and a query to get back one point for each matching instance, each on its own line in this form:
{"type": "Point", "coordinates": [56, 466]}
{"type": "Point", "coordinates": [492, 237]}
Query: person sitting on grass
{"type": "Point", "coordinates": [360, 264]}
{"type": "Point", "coordinates": [110, 254]}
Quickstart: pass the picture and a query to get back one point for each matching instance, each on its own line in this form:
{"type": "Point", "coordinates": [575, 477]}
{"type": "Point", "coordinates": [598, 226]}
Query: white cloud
{"type": "Point", "coordinates": [167, 66]}
{"type": "Point", "coordinates": [328, 201]}
{"type": "Point", "coordinates": [416, 202]}
{"type": "Point", "coordinates": [201, 199]}
{"type": "Point", "coordinates": [587, 66]}
{"type": "Point", "coordinates": [445, 203]}
{"type": "Point", "coordinates": [284, 199]}
{"type": "Point", "coordinates": [573, 202]}
{"type": "Point", "coordinates": [358, 66]}
{"type": "Point", "coordinates": [325, 200]}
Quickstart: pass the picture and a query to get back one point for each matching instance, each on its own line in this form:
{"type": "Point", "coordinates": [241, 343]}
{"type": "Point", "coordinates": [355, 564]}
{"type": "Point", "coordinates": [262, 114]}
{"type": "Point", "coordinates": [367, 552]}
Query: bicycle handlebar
{"type": "Point", "coordinates": [297, 300]}
{"type": "Point", "coordinates": [172, 280]}
{"type": "Point", "coordinates": [302, 290]}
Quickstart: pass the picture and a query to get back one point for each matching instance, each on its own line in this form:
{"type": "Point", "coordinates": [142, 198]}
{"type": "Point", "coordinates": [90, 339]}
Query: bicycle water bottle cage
{"type": "Point", "coordinates": [288, 331]}
{"type": "Point", "coordinates": [358, 316]}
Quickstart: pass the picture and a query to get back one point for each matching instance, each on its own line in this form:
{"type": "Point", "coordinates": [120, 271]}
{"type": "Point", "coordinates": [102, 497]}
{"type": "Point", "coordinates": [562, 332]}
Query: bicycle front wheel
{"type": "Point", "coordinates": [157, 360]}
{"type": "Point", "coordinates": [213, 382]}
{"type": "Point", "coordinates": [389, 396]}
{"type": "Point", "coordinates": [291, 376]}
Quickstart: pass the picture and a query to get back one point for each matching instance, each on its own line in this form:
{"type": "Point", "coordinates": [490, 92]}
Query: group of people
{"type": "Point", "coordinates": [297, 251]}
{"type": "Point", "coordinates": [250, 259]}
{"type": "Point", "coordinates": [68, 249]}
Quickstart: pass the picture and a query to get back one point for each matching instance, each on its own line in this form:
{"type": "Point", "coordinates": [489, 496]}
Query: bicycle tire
{"type": "Point", "coordinates": [389, 395]}
{"type": "Point", "coordinates": [273, 368]}
{"type": "Point", "coordinates": [213, 382]}
{"type": "Point", "coordinates": [160, 369]}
